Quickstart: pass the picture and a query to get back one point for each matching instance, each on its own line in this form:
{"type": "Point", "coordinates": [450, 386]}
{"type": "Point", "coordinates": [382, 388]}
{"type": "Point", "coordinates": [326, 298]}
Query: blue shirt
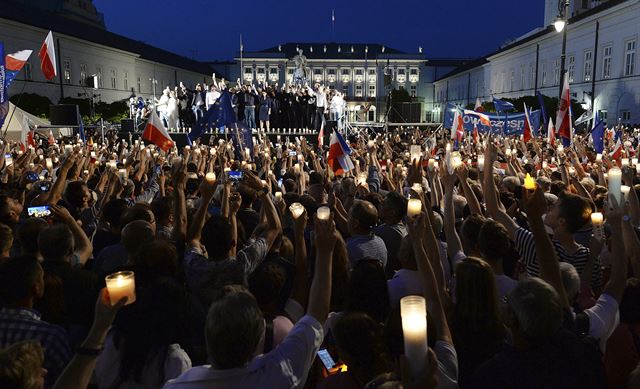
{"type": "Point", "coordinates": [366, 246]}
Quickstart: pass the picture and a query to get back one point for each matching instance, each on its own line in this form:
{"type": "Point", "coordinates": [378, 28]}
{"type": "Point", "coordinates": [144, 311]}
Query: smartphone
{"type": "Point", "coordinates": [326, 359]}
{"type": "Point", "coordinates": [293, 153]}
{"type": "Point", "coordinates": [42, 211]}
{"type": "Point", "coordinates": [45, 186]}
{"type": "Point", "coordinates": [235, 175]}
{"type": "Point", "coordinates": [8, 159]}
{"type": "Point", "coordinates": [32, 176]}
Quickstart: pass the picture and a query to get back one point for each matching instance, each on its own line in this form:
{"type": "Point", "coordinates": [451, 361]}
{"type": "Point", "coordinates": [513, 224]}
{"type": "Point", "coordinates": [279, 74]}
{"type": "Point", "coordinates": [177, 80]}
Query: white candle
{"type": "Point", "coordinates": [415, 152]}
{"type": "Point", "coordinates": [597, 221]}
{"type": "Point", "coordinates": [625, 162]}
{"type": "Point", "coordinates": [598, 157]}
{"type": "Point", "coordinates": [296, 168]}
{"type": "Point", "coordinates": [456, 160]}
{"type": "Point", "coordinates": [545, 164]}
{"type": "Point", "coordinates": [278, 196]}
{"type": "Point", "coordinates": [414, 207]}
{"type": "Point", "coordinates": [210, 177]}
{"type": "Point", "coordinates": [481, 163]}
{"type": "Point", "coordinates": [121, 284]}
{"type": "Point", "coordinates": [413, 310]}
{"type": "Point", "coordinates": [362, 178]}
{"type": "Point", "coordinates": [634, 161]}
{"type": "Point", "coordinates": [370, 144]}
{"type": "Point", "coordinates": [625, 190]}
{"type": "Point", "coordinates": [508, 152]}
{"type": "Point", "coordinates": [615, 181]}
{"type": "Point", "coordinates": [324, 213]}
{"type": "Point", "coordinates": [122, 173]}
{"type": "Point", "coordinates": [417, 187]}
{"type": "Point", "coordinates": [431, 163]}
{"type": "Point", "coordinates": [296, 210]}
{"type": "Point", "coordinates": [49, 163]}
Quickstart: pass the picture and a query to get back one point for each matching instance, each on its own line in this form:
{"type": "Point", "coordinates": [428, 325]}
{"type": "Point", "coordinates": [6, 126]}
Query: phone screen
{"type": "Point", "coordinates": [293, 153]}
{"type": "Point", "coordinates": [8, 159]}
{"type": "Point", "coordinates": [235, 175]}
{"type": "Point", "coordinates": [326, 359]}
{"type": "Point", "coordinates": [42, 211]}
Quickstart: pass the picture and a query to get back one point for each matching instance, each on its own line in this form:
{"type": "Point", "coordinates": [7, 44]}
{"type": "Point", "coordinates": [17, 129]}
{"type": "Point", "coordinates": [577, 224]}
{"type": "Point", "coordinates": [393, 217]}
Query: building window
{"type": "Point", "coordinates": [372, 114]}
{"type": "Point", "coordinates": [413, 75]}
{"type": "Point", "coordinates": [345, 74]}
{"type": "Point", "coordinates": [83, 73]}
{"type": "Point", "coordinates": [372, 91]}
{"type": "Point", "coordinates": [401, 75]}
{"type": "Point", "coordinates": [27, 71]}
{"type": "Point", "coordinates": [413, 90]}
{"type": "Point", "coordinates": [603, 114]}
{"type": "Point", "coordinates": [125, 80]}
{"type": "Point", "coordinates": [571, 68]}
{"type": "Point", "coordinates": [358, 75]}
{"type": "Point", "coordinates": [139, 85]}
{"type": "Point", "coordinates": [358, 90]}
{"type": "Point", "coordinates": [66, 70]}
{"type": "Point", "coordinates": [625, 114]}
{"type": "Point", "coordinates": [345, 91]}
{"type": "Point", "coordinates": [606, 62]}
{"type": "Point", "coordinates": [629, 57]}
{"type": "Point", "coordinates": [113, 79]}
{"type": "Point", "coordinates": [372, 75]}
{"type": "Point", "coordinates": [512, 81]}
{"type": "Point", "coordinates": [588, 58]}
{"type": "Point", "coordinates": [556, 72]}
{"type": "Point", "coordinates": [99, 74]}
{"type": "Point", "coordinates": [522, 79]}
{"type": "Point", "coordinates": [532, 76]}
{"type": "Point", "coordinates": [544, 73]}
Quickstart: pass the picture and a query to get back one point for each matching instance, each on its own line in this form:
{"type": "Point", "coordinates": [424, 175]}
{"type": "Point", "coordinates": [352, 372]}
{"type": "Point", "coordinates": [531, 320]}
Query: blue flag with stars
{"type": "Point", "coordinates": [220, 115]}
{"type": "Point", "coordinates": [597, 134]}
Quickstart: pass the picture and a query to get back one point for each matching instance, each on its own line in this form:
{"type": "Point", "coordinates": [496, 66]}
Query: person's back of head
{"type": "Point", "coordinates": [476, 309]}
{"type": "Point", "coordinates": [216, 237]}
{"type": "Point", "coordinates": [266, 284]}
{"type": "Point", "coordinates": [10, 210]}
{"type": "Point", "coordinates": [6, 240]}
{"type": "Point", "coordinates": [469, 232]}
{"type": "Point", "coordinates": [27, 235]}
{"type": "Point", "coordinates": [363, 217]}
{"type": "Point", "coordinates": [315, 178]}
{"type": "Point", "coordinates": [112, 213]}
{"type": "Point", "coordinates": [139, 211]}
{"type": "Point", "coordinates": [493, 241]}
{"type": "Point", "coordinates": [21, 366]}
{"type": "Point", "coordinates": [162, 208]}
{"type": "Point", "coordinates": [234, 328]}
{"type": "Point", "coordinates": [21, 279]}
{"type": "Point", "coordinates": [56, 243]}
{"type": "Point", "coordinates": [535, 311]}
{"type": "Point", "coordinates": [368, 290]}
{"type": "Point", "coordinates": [76, 193]}
{"type": "Point", "coordinates": [135, 234]}
{"type": "Point", "coordinates": [157, 257]}
{"type": "Point", "coordinates": [394, 208]}
{"type": "Point", "coordinates": [360, 345]}
{"type": "Point", "coordinates": [570, 280]}
{"type": "Point", "coordinates": [575, 210]}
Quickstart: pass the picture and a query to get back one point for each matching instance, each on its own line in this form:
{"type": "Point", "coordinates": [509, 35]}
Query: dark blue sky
{"type": "Point", "coordinates": [463, 28]}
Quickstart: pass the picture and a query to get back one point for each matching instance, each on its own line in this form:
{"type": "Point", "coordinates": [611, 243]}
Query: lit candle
{"type": "Point", "coordinates": [278, 196]}
{"type": "Point", "coordinates": [615, 181]}
{"type": "Point", "coordinates": [85, 172]}
{"type": "Point", "coordinates": [210, 177]}
{"type": "Point", "coordinates": [625, 190]}
{"type": "Point", "coordinates": [122, 173]}
{"type": "Point", "coordinates": [560, 149]}
{"type": "Point", "coordinates": [414, 207]}
{"type": "Point", "coordinates": [370, 144]}
{"type": "Point", "coordinates": [508, 152]}
{"type": "Point", "coordinates": [634, 161]}
{"type": "Point", "coordinates": [247, 153]}
{"type": "Point", "coordinates": [545, 164]}
{"type": "Point", "coordinates": [49, 163]}
{"type": "Point", "coordinates": [529, 182]}
{"type": "Point", "coordinates": [417, 188]}
{"type": "Point", "coordinates": [416, 152]}
{"type": "Point", "coordinates": [448, 147]}
{"type": "Point", "coordinates": [625, 162]}
{"type": "Point", "coordinates": [435, 165]}
{"type": "Point", "coordinates": [296, 168]}
{"type": "Point", "coordinates": [362, 178]}
{"type": "Point", "coordinates": [413, 310]}
{"type": "Point", "coordinates": [431, 163]}
{"type": "Point", "coordinates": [598, 157]}
{"type": "Point", "coordinates": [296, 210]}
{"type": "Point", "coordinates": [121, 284]}
{"type": "Point", "coordinates": [572, 170]}
{"type": "Point", "coordinates": [68, 149]}
{"type": "Point", "coordinates": [323, 213]}
{"type": "Point", "coordinates": [481, 163]}
{"type": "Point", "coordinates": [456, 160]}
{"type": "Point", "coordinates": [597, 221]}
{"type": "Point", "coordinates": [93, 154]}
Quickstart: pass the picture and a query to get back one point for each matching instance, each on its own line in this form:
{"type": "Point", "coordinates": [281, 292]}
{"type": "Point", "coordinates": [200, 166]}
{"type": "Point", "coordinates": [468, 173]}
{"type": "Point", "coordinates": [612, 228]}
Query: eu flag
{"type": "Point", "coordinates": [219, 115]}
{"type": "Point", "coordinates": [597, 134]}
{"type": "Point", "coordinates": [83, 135]}
{"type": "Point", "coordinates": [502, 105]}
{"type": "Point", "coordinates": [4, 98]}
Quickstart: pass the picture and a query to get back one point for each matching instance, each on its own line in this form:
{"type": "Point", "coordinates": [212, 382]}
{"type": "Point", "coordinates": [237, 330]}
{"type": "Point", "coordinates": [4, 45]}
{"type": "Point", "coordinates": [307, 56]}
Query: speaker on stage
{"type": "Point", "coordinates": [64, 114]}
{"type": "Point", "coordinates": [127, 125]}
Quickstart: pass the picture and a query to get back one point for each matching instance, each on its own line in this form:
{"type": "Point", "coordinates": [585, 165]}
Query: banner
{"type": "Point", "coordinates": [514, 121]}
{"type": "Point", "coordinates": [4, 98]}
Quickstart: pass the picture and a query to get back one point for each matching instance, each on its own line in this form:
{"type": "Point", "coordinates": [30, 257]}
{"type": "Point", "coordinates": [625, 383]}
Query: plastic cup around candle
{"type": "Point", "coordinates": [413, 310]}
{"type": "Point", "coordinates": [414, 207]}
{"type": "Point", "coordinates": [324, 213]}
{"type": "Point", "coordinates": [121, 284]}
{"type": "Point", "coordinates": [210, 177]}
{"type": "Point", "coordinates": [296, 210]}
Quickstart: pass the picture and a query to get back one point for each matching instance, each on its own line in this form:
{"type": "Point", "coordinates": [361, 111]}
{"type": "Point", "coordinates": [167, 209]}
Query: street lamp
{"type": "Point", "coordinates": [560, 24]}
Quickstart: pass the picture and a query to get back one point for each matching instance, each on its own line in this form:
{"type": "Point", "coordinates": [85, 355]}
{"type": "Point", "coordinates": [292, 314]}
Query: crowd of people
{"type": "Point", "coordinates": [262, 106]}
{"type": "Point", "coordinates": [527, 256]}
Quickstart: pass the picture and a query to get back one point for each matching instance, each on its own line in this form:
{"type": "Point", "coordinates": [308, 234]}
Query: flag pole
{"type": "Point", "coordinates": [24, 84]}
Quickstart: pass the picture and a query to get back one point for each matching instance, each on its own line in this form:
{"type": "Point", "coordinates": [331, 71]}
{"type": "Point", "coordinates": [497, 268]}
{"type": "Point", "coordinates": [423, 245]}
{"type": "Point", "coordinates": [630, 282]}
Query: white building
{"type": "Point", "coordinates": [84, 48]}
{"type": "Point", "coordinates": [601, 57]}
{"type": "Point", "coordinates": [358, 71]}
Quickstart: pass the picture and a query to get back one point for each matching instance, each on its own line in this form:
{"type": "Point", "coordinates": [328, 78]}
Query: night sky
{"type": "Point", "coordinates": [210, 29]}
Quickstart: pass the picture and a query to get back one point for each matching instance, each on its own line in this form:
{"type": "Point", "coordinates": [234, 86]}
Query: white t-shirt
{"type": "Point", "coordinates": [447, 365]}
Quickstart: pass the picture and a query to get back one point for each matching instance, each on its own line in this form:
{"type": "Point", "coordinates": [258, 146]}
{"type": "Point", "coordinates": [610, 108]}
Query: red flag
{"type": "Point", "coordinates": [51, 139]}
{"type": "Point", "coordinates": [475, 133]}
{"type": "Point", "coordinates": [527, 126]}
{"type": "Point", "coordinates": [47, 56]}
{"type": "Point", "coordinates": [617, 152]}
{"type": "Point", "coordinates": [155, 133]}
{"type": "Point", "coordinates": [457, 129]}
{"type": "Point", "coordinates": [563, 117]}
{"type": "Point", "coordinates": [478, 107]}
{"type": "Point", "coordinates": [551, 133]}
{"type": "Point", "coordinates": [321, 135]}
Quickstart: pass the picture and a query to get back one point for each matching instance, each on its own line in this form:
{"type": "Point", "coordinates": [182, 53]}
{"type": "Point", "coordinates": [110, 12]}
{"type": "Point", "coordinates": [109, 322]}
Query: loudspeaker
{"type": "Point", "coordinates": [64, 114]}
{"type": "Point", "coordinates": [127, 125]}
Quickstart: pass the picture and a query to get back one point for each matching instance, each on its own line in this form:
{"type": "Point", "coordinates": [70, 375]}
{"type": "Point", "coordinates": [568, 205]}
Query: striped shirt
{"type": "Point", "coordinates": [526, 246]}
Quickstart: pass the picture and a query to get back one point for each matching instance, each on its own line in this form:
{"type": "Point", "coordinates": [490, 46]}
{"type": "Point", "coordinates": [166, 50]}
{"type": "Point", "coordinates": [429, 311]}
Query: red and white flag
{"type": "Point", "coordinates": [26, 137]}
{"type": "Point", "coordinates": [617, 151]}
{"type": "Point", "coordinates": [563, 116]}
{"type": "Point", "coordinates": [478, 107]}
{"type": "Point", "coordinates": [551, 133]}
{"type": "Point", "coordinates": [155, 133]}
{"type": "Point", "coordinates": [51, 139]}
{"type": "Point", "coordinates": [475, 133]}
{"type": "Point", "coordinates": [527, 126]}
{"type": "Point", "coordinates": [321, 135]}
{"type": "Point", "coordinates": [47, 56]}
{"type": "Point", "coordinates": [457, 128]}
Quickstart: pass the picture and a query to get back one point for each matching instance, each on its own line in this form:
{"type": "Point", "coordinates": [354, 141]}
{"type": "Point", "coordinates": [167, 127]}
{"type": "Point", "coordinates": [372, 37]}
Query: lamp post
{"type": "Point", "coordinates": [560, 26]}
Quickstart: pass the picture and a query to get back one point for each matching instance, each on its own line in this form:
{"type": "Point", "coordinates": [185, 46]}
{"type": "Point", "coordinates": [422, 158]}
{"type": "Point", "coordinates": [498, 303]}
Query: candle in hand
{"type": "Point", "coordinates": [121, 284]}
{"type": "Point", "coordinates": [625, 190]}
{"type": "Point", "coordinates": [598, 157]}
{"type": "Point", "coordinates": [615, 182]}
{"type": "Point", "coordinates": [597, 221]}
{"type": "Point", "coordinates": [278, 196]}
{"type": "Point", "coordinates": [625, 162]}
{"type": "Point", "coordinates": [413, 310]}
{"type": "Point", "coordinates": [323, 213]}
{"type": "Point", "coordinates": [414, 207]}
{"type": "Point", "coordinates": [296, 210]}
{"type": "Point", "coordinates": [529, 182]}
{"type": "Point", "coordinates": [481, 163]}
{"type": "Point", "coordinates": [210, 177]}
{"type": "Point", "coordinates": [417, 187]}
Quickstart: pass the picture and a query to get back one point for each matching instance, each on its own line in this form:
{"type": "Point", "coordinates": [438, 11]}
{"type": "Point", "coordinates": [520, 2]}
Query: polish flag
{"type": "Point", "coordinates": [26, 137]}
{"type": "Point", "coordinates": [551, 133]}
{"type": "Point", "coordinates": [475, 133]}
{"type": "Point", "coordinates": [51, 139]}
{"type": "Point", "coordinates": [321, 135]}
{"type": "Point", "coordinates": [47, 56]}
{"type": "Point", "coordinates": [457, 128]}
{"type": "Point", "coordinates": [527, 126]}
{"type": "Point", "coordinates": [617, 151]}
{"type": "Point", "coordinates": [339, 152]}
{"type": "Point", "coordinates": [563, 116]}
{"type": "Point", "coordinates": [14, 63]}
{"type": "Point", "coordinates": [155, 133]}
{"type": "Point", "coordinates": [478, 107]}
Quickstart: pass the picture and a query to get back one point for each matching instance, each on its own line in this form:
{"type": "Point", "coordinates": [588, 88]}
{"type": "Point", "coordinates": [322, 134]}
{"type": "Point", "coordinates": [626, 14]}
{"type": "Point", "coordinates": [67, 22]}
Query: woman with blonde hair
{"type": "Point", "coordinates": [21, 366]}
